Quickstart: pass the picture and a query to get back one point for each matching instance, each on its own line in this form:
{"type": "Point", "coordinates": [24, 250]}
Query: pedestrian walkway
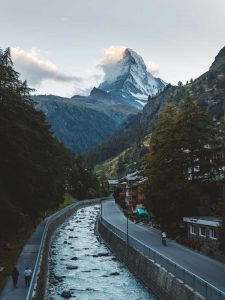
{"type": "Point", "coordinates": [27, 258]}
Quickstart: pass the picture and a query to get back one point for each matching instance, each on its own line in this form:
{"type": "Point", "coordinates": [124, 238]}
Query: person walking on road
{"type": "Point", "coordinates": [164, 238]}
{"type": "Point", "coordinates": [15, 275]}
{"type": "Point", "coordinates": [27, 275]}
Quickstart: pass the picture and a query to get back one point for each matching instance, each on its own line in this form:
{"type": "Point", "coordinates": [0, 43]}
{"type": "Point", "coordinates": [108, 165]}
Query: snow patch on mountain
{"type": "Point", "coordinates": [129, 79]}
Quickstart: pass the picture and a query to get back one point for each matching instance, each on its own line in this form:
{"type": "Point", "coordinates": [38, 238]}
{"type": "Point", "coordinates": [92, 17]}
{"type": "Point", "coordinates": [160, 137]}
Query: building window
{"type": "Point", "coordinates": [213, 233]}
{"type": "Point", "coordinates": [202, 231]}
{"type": "Point", "coordinates": [193, 229]}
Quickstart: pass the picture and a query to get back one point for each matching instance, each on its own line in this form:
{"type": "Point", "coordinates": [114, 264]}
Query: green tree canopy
{"type": "Point", "coordinates": [181, 159]}
{"type": "Point", "coordinates": [35, 168]}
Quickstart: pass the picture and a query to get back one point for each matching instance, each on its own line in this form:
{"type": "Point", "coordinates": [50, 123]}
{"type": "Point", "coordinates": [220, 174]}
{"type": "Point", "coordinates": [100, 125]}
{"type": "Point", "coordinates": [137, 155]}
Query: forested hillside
{"type": "Point", "coordinates": [35, 168]}
{"type": "Point", "coordinates": [208, 90]}
{"type": "Point", "coordinates": [78, 127]}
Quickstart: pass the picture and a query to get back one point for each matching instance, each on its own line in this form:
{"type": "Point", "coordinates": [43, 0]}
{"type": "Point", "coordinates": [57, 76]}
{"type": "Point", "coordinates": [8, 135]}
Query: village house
{"type": "Point", "coordinates": [205, 231]}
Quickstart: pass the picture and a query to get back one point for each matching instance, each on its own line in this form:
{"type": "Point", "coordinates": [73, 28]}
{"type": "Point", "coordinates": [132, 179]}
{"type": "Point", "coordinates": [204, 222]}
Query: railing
{"type": "Point", "coordinates": [204, 288]}
{"type": "Point", "coordinates": [49, 220]}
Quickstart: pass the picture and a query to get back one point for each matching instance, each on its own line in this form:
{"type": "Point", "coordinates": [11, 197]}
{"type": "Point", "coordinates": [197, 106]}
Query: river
{"type": "Point", "coordinates": [80, 265]}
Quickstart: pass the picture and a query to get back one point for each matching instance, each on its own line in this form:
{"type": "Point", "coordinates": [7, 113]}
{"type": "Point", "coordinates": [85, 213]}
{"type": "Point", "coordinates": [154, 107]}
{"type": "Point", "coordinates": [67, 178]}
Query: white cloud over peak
{"type": "Point", "coordinates": [112, 55]}
{"type": "Point", "coordinates": [108, 64]}
{"type": "Point", "coordinates": [153, 68]}
{"type": "Point", "coordinates": [36, 70]}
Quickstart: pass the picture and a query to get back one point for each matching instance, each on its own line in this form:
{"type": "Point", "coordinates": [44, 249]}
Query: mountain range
{"type": "Point", "coordinates": [82, 122]}
{"type": "Point", "coordinates": [130, 142]}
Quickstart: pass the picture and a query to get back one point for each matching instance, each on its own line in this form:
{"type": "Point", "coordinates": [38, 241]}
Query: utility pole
{"type": "Point", "coordinates": [101, 208]}
{"type": "Point", "coordinates": [127, 228]}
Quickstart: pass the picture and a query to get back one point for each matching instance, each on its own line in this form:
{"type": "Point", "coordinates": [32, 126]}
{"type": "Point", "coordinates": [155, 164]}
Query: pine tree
{"type": "Point", "coordinates": [180, 161]}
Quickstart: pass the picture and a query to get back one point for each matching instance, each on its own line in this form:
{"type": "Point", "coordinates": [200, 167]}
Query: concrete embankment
{"type": "Point", "coordinates": [40, 289]}
{"type": "Point", "coordinates": [163, 284]}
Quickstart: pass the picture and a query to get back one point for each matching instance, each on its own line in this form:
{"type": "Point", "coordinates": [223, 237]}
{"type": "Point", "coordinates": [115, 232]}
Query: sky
{"type": "Point", "coordinates": [60, 46]}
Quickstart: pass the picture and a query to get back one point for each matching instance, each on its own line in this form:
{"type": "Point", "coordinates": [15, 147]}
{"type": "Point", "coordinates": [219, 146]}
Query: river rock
{"type": "Point", "coordinates": [72, 267]}
{"type": "Point", "coordinates": [114, 274]}
{"type": "Point", "coordinates": [54, 282]}
{"type": "Point", "coordinates": [74, 258]}
{"type": "Point", "coordinates": [101, 254]}
{"type": "Point", "coordinates": [66, 294]}
{"type": "Point", "coordinates": [59, 278]}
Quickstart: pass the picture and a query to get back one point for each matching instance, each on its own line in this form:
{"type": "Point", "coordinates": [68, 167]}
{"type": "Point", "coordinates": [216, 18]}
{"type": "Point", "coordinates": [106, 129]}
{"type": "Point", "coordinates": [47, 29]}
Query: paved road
{"type": "Point", "coordinates": [205, 267]}
{"type": "Point", "coordinates": [26, 258]}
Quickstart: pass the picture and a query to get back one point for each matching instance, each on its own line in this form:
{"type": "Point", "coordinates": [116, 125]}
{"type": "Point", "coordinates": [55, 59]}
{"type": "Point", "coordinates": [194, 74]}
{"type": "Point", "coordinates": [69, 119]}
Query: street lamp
{"type": "Point", "coordinates": [127, 229]}
{"type": "Point", "coordinates": [101, 208]}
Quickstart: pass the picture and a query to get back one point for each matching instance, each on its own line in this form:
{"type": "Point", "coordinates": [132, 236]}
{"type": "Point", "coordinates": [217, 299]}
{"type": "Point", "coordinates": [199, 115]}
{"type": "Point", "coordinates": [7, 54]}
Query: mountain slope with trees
{"type": "Point", "coordinates": [185, 163]}
{"type": "Point", "coordinates": [35, 168]}
{"type": "Point", "coordinates": [208, 90]}
{"type": "Point", "coordinates": [81, 125]}
{"type": "Point", "coordinates": [124, 92]}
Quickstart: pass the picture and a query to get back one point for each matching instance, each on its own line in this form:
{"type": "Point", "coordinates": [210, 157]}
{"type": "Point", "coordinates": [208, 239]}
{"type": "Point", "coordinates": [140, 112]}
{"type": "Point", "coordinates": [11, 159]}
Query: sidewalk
{"type": "Point", "coordinates": [26, 258]}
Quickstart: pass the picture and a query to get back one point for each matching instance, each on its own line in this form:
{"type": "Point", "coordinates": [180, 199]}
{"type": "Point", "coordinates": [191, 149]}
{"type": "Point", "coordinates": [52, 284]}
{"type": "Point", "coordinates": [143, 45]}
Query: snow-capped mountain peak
{"type": "Point", "coordinates": [129, 79]}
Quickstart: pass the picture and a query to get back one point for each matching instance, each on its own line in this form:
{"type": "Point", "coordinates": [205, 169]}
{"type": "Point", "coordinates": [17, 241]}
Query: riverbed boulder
{"type": "Point", "coordinates": [114, 258]}
{"type": "Point", "coordinates": [101, 254]}
{"type": "Point", "coordinates": [66, 294]}
{"type": "Point", "coordinates": [59, 278]}
{"type": "Point", "coordinates": [74, 258]}
{"type": "Point", "coordinates": [71, 267]}
{"type": "Point", "coordinates": [114, 274]}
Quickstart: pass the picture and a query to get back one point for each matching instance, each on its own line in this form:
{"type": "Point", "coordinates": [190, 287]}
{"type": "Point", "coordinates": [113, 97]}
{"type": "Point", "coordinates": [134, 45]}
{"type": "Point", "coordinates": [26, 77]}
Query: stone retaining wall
{"type": "Point", "coordinates": [164, 285]}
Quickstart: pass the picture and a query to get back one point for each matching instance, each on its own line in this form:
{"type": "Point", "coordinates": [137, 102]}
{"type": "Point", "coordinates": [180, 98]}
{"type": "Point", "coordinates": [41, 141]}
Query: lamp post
{"type": "Point", "coordinates": [127, 227]}
{"type": "Point", "coordinates": [101, 208]}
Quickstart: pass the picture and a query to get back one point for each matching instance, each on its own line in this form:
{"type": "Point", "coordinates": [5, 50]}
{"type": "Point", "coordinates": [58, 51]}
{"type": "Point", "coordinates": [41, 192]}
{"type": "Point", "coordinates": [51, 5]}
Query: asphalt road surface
{"type": "Point", "coordinates": [203, 266]}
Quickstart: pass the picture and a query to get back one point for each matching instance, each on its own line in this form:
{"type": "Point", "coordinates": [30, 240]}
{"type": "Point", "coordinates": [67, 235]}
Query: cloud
{"type": "Point", "coordinates": [153, 68]}
{"type": "Point", "coordinates": [36, 70]}
{"type": "Point", "coordinates": [112, 55]}
{"type": "Point", "coordinates": [108, 64]}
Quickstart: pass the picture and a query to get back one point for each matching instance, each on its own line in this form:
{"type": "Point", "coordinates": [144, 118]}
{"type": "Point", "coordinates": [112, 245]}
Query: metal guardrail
{"type": "Point", "coordinates": [204, 288]}
{"type": "Point", "coordinates": [49, 220]}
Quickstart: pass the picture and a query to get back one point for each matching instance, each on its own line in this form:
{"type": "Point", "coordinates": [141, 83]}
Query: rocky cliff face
{"type": "Point", "coordinates": [219, 60]}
